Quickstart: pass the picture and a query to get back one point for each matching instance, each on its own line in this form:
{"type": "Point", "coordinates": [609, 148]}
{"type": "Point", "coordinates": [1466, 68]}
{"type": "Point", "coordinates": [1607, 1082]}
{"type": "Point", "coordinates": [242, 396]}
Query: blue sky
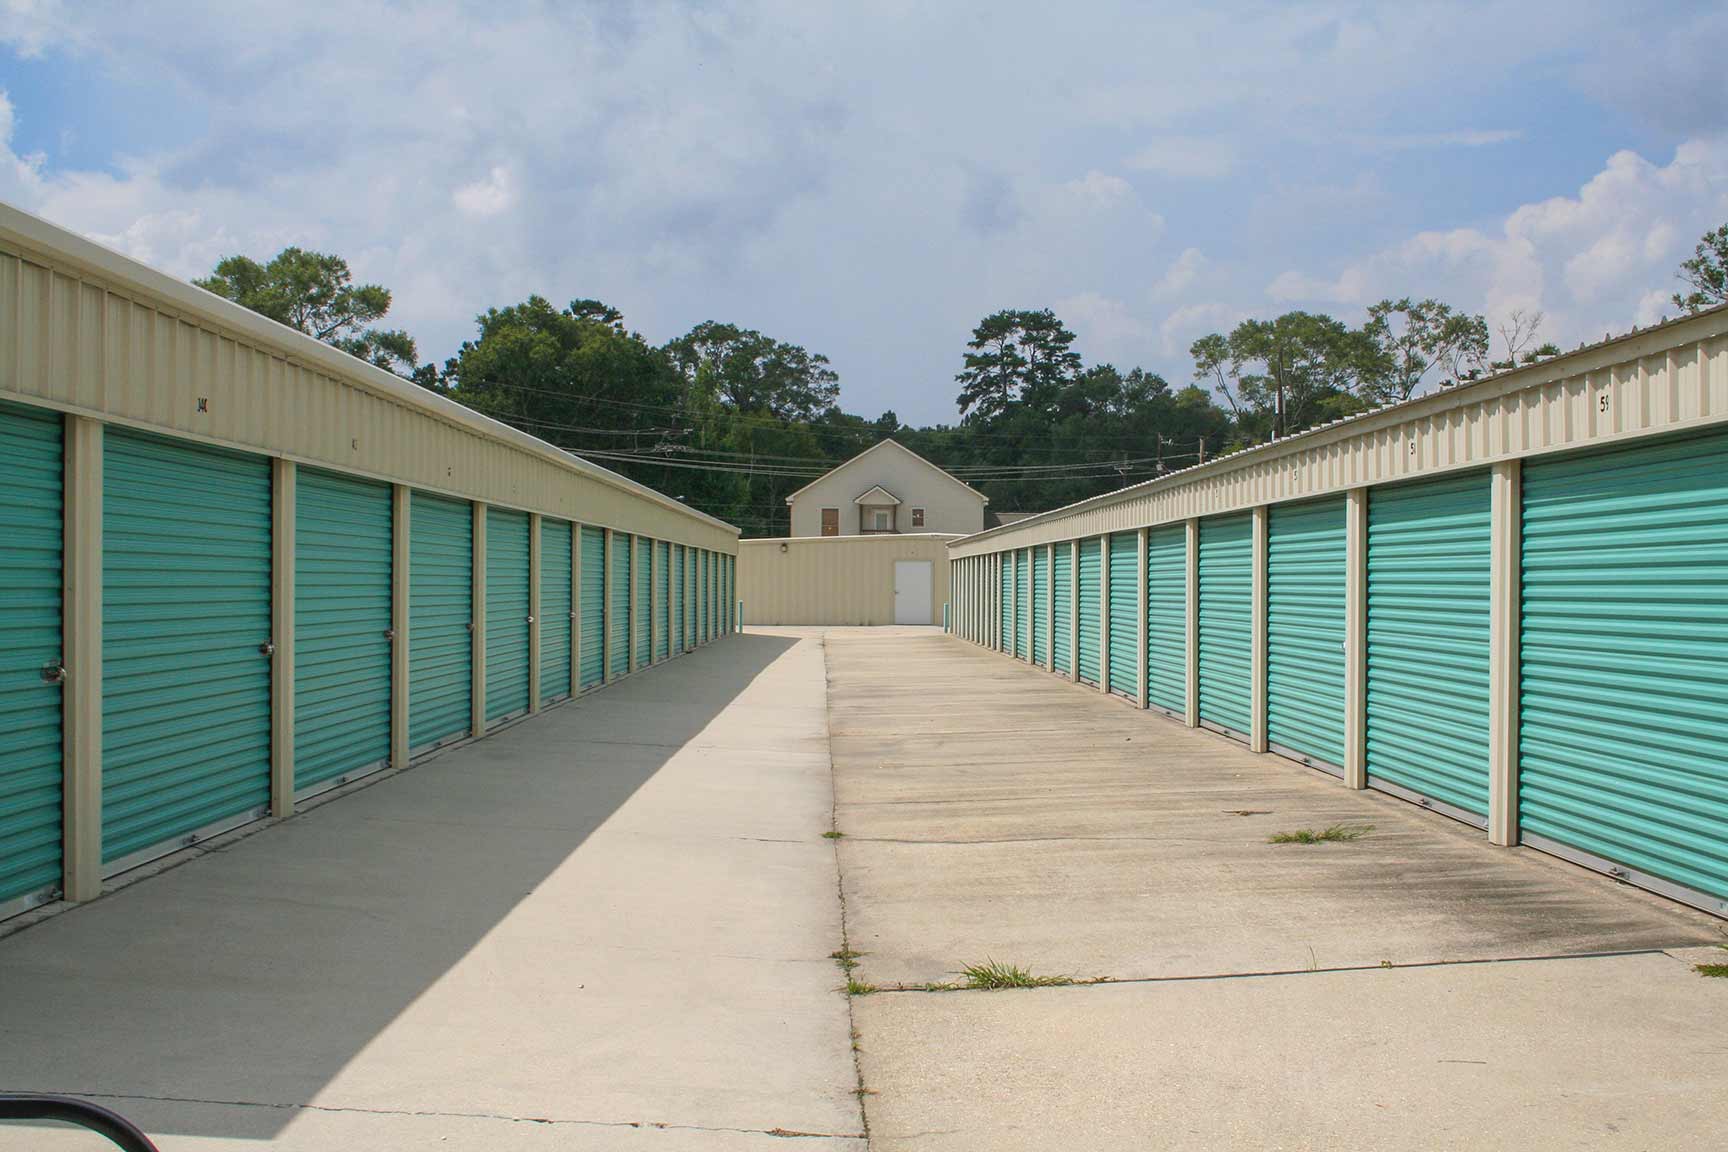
{"type": "Point", "coordinates": [871, 179]}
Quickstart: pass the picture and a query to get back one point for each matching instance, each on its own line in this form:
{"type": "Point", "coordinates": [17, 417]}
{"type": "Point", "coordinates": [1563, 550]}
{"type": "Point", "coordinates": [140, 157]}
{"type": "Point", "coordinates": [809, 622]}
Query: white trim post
{"type": "Point", "coordinates": [1191, 690]}
{"type": "Point", "coordinates": [1505, 586]}
{"type": "Point", "coordinates": [575, 609]}
{"type": "Point", "coordinates": [283, 484]}
{"type": "Point", "coordinates": [606, 608]}
{"type": "Point", "coordinates": [1356, 638]}
{"type": "Point", "coordinates": [81, 653]}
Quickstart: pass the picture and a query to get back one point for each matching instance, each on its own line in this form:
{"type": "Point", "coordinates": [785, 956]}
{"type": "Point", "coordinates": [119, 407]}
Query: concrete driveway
{"type": "Point", "coordinates": [611, 927]}
{"type": "Point", "coordinates": [1414, 988]}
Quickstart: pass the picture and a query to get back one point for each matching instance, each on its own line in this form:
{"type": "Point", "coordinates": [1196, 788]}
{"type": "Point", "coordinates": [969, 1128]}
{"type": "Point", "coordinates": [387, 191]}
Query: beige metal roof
{"type": "Point", "coordinates": [896, 444]}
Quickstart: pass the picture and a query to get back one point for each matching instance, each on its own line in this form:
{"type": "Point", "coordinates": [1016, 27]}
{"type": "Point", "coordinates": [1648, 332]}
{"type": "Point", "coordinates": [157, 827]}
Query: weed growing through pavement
{"type": "Point", "coordinates": [1336, 834]}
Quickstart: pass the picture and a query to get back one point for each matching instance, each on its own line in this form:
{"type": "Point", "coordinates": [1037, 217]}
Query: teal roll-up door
{"type": "Point", "coordinates": [1167, 619]}
{"type": "Point", "coordinates": [702, 597]}
{"type": "Point", "coordinates": [185, 635]}
{"type": "Point", "coordinates": [1623, 733]}
{"type": "Point", "coordinates": [1040, 606]}
{"type": "Point", "coordinates": [680, 594]}
{"type": "Point", "coordinates": [440, 619]}
{"type": "Point", "coordinates": [1227, 623]}
{"type": "Point", "coordinates": [1005, 601]}
{"type": "Point", "coordinates": [342, 621]}
{"type": "Point", "coordinates": [507, 613]}
{"type": "Point", "coordinates": [618, 588]}
{"type": "Point", "coordinates": [1023, 603]}
{"type": "Point", "coordinates": [1062, 607]}
{"type": "Point", "coordinates": [1306, 571]}
{"type": "Point", "coordinates": [31, 779]}
{"type": "Point", "coordinates": [663, 599]}
{"type": "Point", "coordinates": [1091, 608]}
{"type": "Point", "coordinates": [1428, 570]}
{"type": "Point", "coordinates": [555, 614]}
{"type": "Point", "coordinates": [644, 618]}
{"type": "Point", "coordinates": [1125, 614]}
{"type": "Point", "coordinates": [593, 609]}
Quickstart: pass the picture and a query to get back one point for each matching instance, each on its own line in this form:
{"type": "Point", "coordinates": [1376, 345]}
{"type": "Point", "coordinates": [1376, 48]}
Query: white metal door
{"type": "Point", "coordinates": [912, 592]}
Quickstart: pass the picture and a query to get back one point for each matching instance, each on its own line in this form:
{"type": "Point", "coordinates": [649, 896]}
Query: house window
{"type": "Point", "coordinates": [830, 521]}
{"type": "Point", "coordinates": [917, 517]}
{"type": "Point", "coordinates": [881, 519]}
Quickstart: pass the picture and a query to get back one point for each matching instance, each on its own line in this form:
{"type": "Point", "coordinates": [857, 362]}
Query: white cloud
{"type": "Point", "coordinates": [1180, 275]}
{"type": "Point", "coordinates": [1466, 138]}
{"type": "Point", "coordinates": [1099, 190]}
{"type": "Point", "coordinates": [1593, 262]}
{"type": "Point", "coordinates": [1186, 157]}
{"type": "Point", "coordinates": [487, 197]}
{"type": "Point", "coordinates": [1101, 322]}
{"type": "Point", "coordinates": [1192, 321]}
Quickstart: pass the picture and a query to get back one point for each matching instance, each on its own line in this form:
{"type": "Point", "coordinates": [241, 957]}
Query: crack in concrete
{"type": "Point", "coordinates": [861, 1091]}
{"type": "Point", "coordinates": [932, 988]}
{"type": "Point", "coordinates": [505, 1117]}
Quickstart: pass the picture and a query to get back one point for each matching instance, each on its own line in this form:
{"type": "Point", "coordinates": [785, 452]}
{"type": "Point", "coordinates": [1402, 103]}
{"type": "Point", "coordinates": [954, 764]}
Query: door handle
{"type": "Point", "coordinates": [389, 633]}
{"type": "Point", "coordinates": [268, 648]}
{"type": "Point", "coordinates": [54, 672]}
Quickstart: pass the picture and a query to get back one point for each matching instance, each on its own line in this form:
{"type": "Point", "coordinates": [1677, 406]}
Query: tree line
{"type": "Point", "coordinates": [731, 421]}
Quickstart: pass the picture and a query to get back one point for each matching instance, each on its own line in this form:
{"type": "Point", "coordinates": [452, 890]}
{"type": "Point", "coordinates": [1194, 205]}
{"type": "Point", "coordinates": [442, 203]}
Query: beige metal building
{"type": "Point", "coordinates": [239, 567]}
{"type": "Point", "coordinates": [887, 488]}
{"type": "Point", "coordinates": [862, 580]}
{"type": "Point", "coordinates": [1503, 601]}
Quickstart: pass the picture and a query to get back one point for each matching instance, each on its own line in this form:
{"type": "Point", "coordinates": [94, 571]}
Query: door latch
{"type": "Point", "coordinates": [389, 633]}
{"type": "Point", "coordinates": [268, 648]}
{"type": "Point", "coordinates": [54, 672]}
{"type": "Point", "coordinates": [530, 619]}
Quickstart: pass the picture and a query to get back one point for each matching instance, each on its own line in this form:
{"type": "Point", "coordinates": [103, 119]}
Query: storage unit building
{"type": "Point", "coordinates": [1125, 611]}
{"type": "Point", "coordinates": [1502, 601]}
{"type": "Point", "coordinates": [1089, 606]}
{"type": "Point", "coordinates": [240, 568]}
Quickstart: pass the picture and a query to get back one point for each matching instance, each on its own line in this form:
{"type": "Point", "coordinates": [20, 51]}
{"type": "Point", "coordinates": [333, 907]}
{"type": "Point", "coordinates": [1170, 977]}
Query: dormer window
{"type": "Point", "coordinates": [876, 510]}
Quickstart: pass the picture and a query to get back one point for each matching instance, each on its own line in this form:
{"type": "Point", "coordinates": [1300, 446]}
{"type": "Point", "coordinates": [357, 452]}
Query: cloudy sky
{"type": "Point", "coordinates": [869, 179]}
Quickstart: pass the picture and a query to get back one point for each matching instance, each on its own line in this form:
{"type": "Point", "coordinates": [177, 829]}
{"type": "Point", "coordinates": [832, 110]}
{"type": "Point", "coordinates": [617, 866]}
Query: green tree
{"type": "Point", "coordinates": [1518, 335]}
{"type": "Point", "coordinates": [315, 292]}
{"type": "Point", "coordinates": [1015, 355]}
{"type": "Point", "coordinates": [1283, 375]}
{"type": "Point", "coordinates": [1706, 272]}
{"type": "Point", "coordinates": [754, 373]}
{"type": "Point", "coordinates": [1412, 339]}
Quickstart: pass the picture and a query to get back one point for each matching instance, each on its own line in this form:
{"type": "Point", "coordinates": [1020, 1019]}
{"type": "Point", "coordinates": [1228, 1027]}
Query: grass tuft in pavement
{"type": "Point", "coordinates": [846, 958]}
{"type": "Point", "coordinates": [992, 974]}
{"type": "Point", "coordinates": [1718, 971]}
{"type": "Point", "coordinates": [857, 987]}
{"type": "Point", "coordinates": [1336, 834]}
{"type": "Point", "coordinates": [833, 834]}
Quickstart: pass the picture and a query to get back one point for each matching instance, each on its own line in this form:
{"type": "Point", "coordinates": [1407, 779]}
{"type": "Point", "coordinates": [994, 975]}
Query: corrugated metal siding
{"type": "Point", "coordinates": [593, 609]}
{"type": "Point", "coordinates": [644, 620]}
{"type": "Point", "coordinates": [507, 625]}
{"type": "Point", "coordinates": [1022, 604]}
{"type": "Point", "coordinates": [662, 600]}
{"type": "Point", "coordinates": [30, 581]}
{"type": "Point", "coordinates": [555, 609]}
{"type": "Point", "coordinates": [185, 607]}
{"type": "Point", "coordinates": [1428, 602]}
{"type": "Point", "coordinates": [440, 613]}
{"type": "Point", "coordinates": [1125, 614]}
{"type": "Point", "coordinates": [1662, 380]}
{"type": "Point", "coordinates": [618, 588]}
{"type": "Point", "coordinates": [1306, 571]}
{"type": "Point", "coordinates": [1623, 735]}
{"type": "Point", "coordinates": [131, 345]}
{"type": "Point", "coordinates": [1040, 606]}
{"type": "Point", "coordinates": [1062, 608]}
{"type": "Point", "coordinates": [1167, 618]}
{"type": "Point", "coordinates": [1091, 608]}
{"type": "Point", "coordinates": [342, 614]}
{"type": "Point", "coordinates": [1227, 622]}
